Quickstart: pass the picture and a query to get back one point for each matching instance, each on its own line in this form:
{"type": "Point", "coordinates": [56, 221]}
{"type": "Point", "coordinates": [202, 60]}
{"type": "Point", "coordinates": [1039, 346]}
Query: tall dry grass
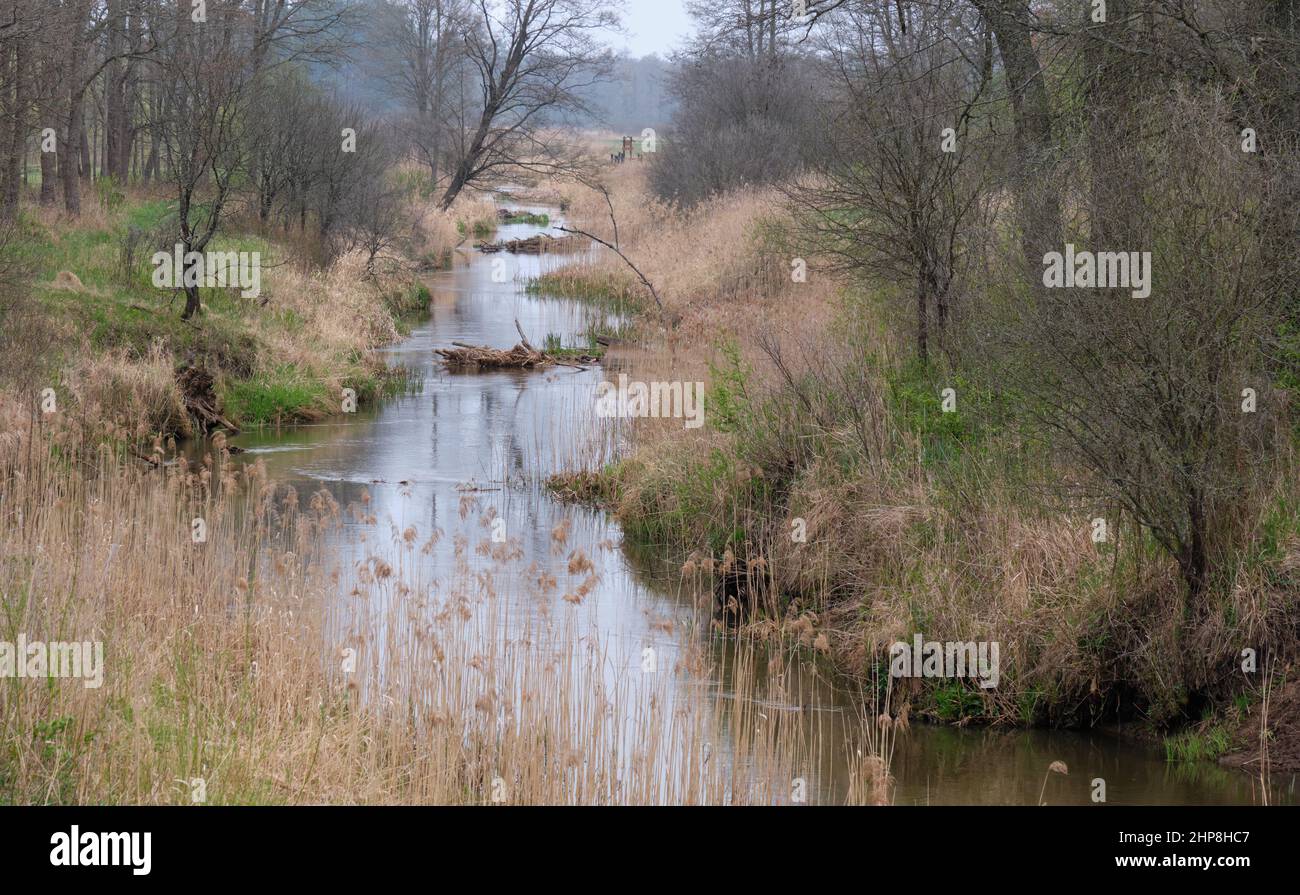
{"type": "Point", "coordinates": [914, 520]}
{"type": "Point", "coordinates": [141, 392]}
{"type": "Point", "coordinates": [437, 233]}
{"type": "Point", "coordinates": [720, 268]}
{"type": "Point", "coordinates": [229, 662]}
{"type": "Point", "coordinates": [340, 309]}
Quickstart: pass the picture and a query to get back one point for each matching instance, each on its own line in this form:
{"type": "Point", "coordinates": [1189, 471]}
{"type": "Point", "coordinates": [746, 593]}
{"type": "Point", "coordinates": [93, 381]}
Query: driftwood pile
{"type": "Point", "coordinates": [521, 357]}
{"type": "Point", "coordinates": [533, 245]}
{"type": "Point", "coordinates": [201, 399]}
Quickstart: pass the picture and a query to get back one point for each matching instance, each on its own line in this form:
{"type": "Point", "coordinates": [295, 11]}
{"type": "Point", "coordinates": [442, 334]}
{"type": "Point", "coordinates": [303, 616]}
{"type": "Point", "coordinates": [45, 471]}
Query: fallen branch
{"type": "Point", "coordinates": [523, 339]}
{"type": "Point", "coordinates": [521, 357]}
{"type": "Point", "coordinates": [628, 261]}
{"type": "Point", "coordinates": [533, 245]}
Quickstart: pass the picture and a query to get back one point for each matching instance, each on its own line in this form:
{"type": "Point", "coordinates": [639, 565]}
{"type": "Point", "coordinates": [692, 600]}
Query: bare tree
{"type": "Point", "coordinates": [374, 216]}
{"type": "Point", "coordinates": [1156, 385]}
{"type": "Point", "coordinates": [206, 73]}
{"type": "Point", "coordinates": [906, 181]}
{"type": "Point", "coordinates": [419, 50]}
{"type": "Point", "coordinates": [739, 121]}
{"type": "Point", "coordinates": [74, 21]}
{"type": "Point", "coordinates": [19, 28]}
{"type": "Point", "coordinates": [531, 59]}
{"type": "Point", "coordinates": [758, 30]}
{"type": "Point", "coordinates": [1040, 215]}
{"type": "Point", "coordinates": [276, 127]}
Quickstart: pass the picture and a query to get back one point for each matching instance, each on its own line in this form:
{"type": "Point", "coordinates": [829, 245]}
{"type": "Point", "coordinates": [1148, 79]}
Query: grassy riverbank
{"type": "Point", "coordinates": [247, 667]}
{"type": "Point", "coordinates": [829, 473]}
{"type": "Point", "coordinates": [101, 334]}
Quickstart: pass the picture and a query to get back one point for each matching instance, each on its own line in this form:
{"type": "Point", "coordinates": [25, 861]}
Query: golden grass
{"type": "Point", "coordinates": [139, 392]}
{"type": "Point", "coordinates": [227, 661]}
{"type": "Point", "coordinates": [894, 540]}
{"type": "Point", "coordinates": [340, 308]}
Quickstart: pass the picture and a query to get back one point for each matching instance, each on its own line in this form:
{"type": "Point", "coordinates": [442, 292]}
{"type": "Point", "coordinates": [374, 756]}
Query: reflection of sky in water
{"type": "Point", "coordinates": [501, 431]}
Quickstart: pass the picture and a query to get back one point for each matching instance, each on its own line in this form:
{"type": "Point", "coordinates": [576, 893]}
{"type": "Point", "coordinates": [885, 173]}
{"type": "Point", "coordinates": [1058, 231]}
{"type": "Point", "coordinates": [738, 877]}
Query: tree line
{"type": "Point", "coordinates": [221, 100]}
{"type": "Point", "coordinates": [946, 150]}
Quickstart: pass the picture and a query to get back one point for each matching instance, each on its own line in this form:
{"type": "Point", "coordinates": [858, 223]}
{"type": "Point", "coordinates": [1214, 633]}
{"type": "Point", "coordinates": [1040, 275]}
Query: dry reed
{"type": "Point", "coordinates": [253, 667]}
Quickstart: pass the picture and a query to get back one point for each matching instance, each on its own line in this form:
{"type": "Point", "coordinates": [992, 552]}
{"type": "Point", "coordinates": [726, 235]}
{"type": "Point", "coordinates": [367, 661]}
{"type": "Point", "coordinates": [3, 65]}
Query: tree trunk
{"type": "Point", "coordinates": [1195, 561]}
{"type": "Point", "coordinates": [1039, 206]}
{"type": "Point", "coordinates": [1109, 98]}
{"type": "Point", "coordinates": [457, 184]}
{"type": "Point", "coordinates": [922, 319]}
{"type": "Point", "coordinates": [18, 137]}
{"type": "Point", "coordinates": [151, 164]}
{"type": "Point", "coordinates": [87, 157]}
{"type": "Point", "coordinates": [49, 178]}
{"type": "Point", "coordinates": [116, 152]}
{"type": "Point", "coordinates": [69, 152]}
{"type": "Point", "coordinates": [192, 304]}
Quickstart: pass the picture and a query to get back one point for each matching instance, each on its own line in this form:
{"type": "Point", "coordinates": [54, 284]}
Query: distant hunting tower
{"type": "Point", "coordinates": [627, 147]}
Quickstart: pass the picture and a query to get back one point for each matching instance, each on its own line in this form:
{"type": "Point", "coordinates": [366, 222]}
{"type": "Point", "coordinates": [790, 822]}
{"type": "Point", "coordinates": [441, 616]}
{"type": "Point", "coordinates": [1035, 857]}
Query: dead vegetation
{"type": "Point", "coordinates": [540, 244]}
{"type": "Point", "coordinates": [197, 387]}
{"type": "Point", "coordinates": [521, 357]}
{"type": "Point", "coordinates": [256, 662]}
{"type": "Point", "coordinates": [819, 424]}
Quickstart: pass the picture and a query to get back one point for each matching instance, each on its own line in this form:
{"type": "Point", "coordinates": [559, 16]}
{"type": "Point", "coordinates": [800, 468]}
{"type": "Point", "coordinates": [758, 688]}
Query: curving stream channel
{"type": "Point", "coordinates": [502, 432]}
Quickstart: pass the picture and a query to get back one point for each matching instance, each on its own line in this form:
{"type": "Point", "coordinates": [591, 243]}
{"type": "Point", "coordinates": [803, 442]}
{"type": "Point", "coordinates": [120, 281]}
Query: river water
{"type": "Point", "coordinates": [495, 435]}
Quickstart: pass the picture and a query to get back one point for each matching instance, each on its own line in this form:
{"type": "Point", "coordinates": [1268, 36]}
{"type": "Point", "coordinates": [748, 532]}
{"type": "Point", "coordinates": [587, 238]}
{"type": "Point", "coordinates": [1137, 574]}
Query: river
{"type": "Point", "coordinates": [417, 456]}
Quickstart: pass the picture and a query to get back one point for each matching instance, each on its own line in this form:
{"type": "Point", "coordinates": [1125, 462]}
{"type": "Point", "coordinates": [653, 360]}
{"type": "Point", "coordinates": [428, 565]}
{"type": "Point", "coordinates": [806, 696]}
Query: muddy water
{"type": "Point", "coordinates": [491, 437]}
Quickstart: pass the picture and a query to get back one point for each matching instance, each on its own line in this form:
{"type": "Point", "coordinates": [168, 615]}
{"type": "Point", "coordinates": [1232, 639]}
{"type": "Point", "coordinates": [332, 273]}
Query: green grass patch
{"type": "Point", "coordinates": [524, 217]}
{"type": "Point", "coordinates": [283, 395]}
{"type": "Point", "coordinates": [555, 346]}
{"type": "Point", "coordinates": [613, 292]}
{"type": "Point", "coordinates": [1199, 745]}
{"type": "Point", "coordinates": [414, 298]}
{"type": "Point", "coordinates": [953, 700]}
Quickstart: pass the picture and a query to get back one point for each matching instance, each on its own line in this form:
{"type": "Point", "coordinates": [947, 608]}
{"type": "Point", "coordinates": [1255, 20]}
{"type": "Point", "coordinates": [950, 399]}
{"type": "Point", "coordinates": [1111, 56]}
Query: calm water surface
{"type": "Point", "coordinates": [499, 433]}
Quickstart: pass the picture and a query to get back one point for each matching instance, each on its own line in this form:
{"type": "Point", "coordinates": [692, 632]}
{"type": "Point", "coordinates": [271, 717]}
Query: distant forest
{"type": "Point", "coordinates": [636, 97]}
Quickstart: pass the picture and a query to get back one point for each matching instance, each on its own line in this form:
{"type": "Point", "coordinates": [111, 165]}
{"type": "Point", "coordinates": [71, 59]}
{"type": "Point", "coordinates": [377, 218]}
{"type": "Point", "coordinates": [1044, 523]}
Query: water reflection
{"type": "Point", "coordinates": [463, 450]}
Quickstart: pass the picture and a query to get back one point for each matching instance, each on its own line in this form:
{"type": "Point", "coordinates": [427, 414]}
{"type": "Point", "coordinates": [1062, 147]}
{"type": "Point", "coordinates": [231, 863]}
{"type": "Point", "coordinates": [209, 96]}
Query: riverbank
{"type": "Point", "coordinates": [863, 511]}
{"type": "Point", "coordinates": [345, 625]}
{"type": "Point", "coordinates": [350, 534]}
{"type": "Point", "coordinates": [88, 322]}
{"type": "Point", "coordinates": [247, 666]}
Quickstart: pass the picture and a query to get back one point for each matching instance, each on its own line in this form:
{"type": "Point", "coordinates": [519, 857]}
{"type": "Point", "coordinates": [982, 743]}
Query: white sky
{"type": "Point", "coordinates": [652, 26]}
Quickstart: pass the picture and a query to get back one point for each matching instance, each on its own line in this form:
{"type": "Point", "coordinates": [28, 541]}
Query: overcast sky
{"type": "Point", "coordinates": [653, 26]}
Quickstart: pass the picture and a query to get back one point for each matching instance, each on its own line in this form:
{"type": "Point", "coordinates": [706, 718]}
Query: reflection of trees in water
{"type": "Point", "coordinates": [943, 764]}
{"type": "Point", "coordinates": [787, 681]}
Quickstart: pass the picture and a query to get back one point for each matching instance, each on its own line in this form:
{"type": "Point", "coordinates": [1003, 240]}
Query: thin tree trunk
{"type": "Point", "coordinates": [49, 178]}
{"type": "Point", "coordinates": [922, 320]}
{"type": "Point", "coordinates": [115, 124]}
{"type": "Point", "coordinates": [1109, 100]}
{"type": "Point", "coordinates": [87, 156]}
